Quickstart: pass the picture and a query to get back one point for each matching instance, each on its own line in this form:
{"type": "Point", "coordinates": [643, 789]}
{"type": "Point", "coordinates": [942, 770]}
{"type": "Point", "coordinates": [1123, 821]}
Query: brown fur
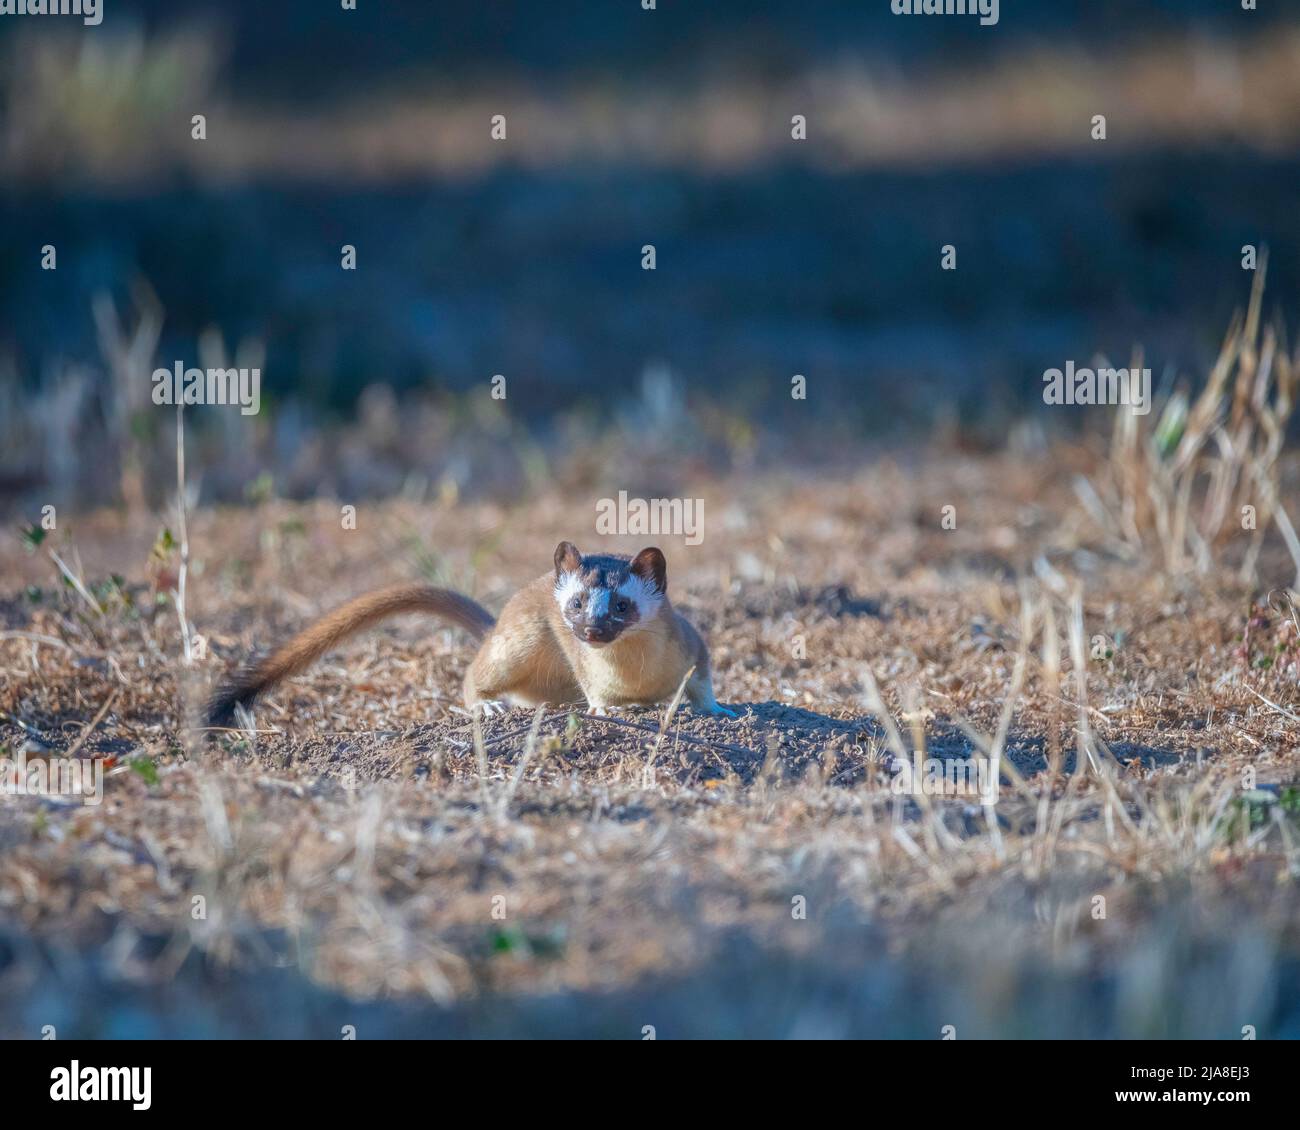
{"type": "Point", "coordinates": [326, 634]}
{"type": "Point", "coordinates": [530, 655]}
{"type": "Point", "coordinates": [533, 658]}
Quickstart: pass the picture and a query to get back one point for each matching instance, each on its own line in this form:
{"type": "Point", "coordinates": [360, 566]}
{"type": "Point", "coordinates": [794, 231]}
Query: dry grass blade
{"type": "Point", "coordinates": [480, 754]}
{"type": "Point", "coordinates": [1269, 702]}
{"type": "Point", "coordinates": [530, 746]}
{"type": "Point", "coordinates": [667, 721]}
{"type": "Point", "coordinates": [1079, 658]}
{"type": "Point", "coordinates": [183, 569]}
{"type": "Point", "coordinates": [76, 582]}
{"type": "Point", "coordinates": [936, 833]}
{"type": "Point", "coordinates": [99, 717]}
{"type": "Point", "coordinates": [1178, 479]}
{"type": "Point", "coordinates": [36, 637]}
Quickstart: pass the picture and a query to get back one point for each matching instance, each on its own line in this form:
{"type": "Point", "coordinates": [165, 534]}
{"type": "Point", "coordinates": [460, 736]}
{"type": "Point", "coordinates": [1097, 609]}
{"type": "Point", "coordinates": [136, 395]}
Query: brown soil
{"type": "Point", "coordinates": [357, 827]}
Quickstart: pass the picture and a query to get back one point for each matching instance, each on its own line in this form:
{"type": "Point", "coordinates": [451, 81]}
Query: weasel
{"type": "Point", "coordinates": [600, 628]}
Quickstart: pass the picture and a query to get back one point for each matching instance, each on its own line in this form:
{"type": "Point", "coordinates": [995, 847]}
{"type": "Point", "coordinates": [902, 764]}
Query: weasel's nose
{"type": "Point", "coordinates": [598, 628]}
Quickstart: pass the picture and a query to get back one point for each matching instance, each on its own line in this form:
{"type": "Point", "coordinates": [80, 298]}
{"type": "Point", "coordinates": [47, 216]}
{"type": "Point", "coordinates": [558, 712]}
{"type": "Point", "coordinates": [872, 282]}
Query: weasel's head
{"type": "Point", "coordinates": [601, 597]}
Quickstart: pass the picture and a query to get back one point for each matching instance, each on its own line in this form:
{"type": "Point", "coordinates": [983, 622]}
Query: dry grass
{"type": "Point", "coordinates": [96, 108]}
{"type": "Point", "coordinates": [360, 835]}
{"type": "Point", "coordinates": [1185, 482]}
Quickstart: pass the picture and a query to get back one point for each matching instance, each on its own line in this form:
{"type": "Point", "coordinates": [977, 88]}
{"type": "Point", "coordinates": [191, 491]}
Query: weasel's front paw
{"type": "Point", "coordinates": [597, 711]}
{"type": "Point", "coordinates": [716, 709]}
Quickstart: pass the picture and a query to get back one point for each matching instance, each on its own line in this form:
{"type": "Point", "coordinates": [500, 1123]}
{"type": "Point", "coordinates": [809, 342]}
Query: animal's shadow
{"type": "Point", "coordinates": [770, 741]}
{"type": "Point", "coordinates": [776, 738]}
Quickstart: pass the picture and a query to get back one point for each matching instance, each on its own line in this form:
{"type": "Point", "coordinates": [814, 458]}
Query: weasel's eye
{"type": "Point", "coordinates": [576, 602]}
{"type": "Point", "coordinates": [621, 606]}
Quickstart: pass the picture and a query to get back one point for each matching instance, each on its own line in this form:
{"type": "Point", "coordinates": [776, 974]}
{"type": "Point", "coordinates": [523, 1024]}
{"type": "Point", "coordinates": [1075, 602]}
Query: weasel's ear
{"type": "Point", "coordinates": [650, 566]}
{"type": "Point", "coordinates": [567, 558]}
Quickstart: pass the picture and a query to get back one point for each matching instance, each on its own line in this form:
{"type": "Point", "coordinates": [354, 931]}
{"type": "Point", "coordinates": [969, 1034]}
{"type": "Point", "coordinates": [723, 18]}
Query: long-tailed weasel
{"type": "Point", "coordinates": [599, 627]}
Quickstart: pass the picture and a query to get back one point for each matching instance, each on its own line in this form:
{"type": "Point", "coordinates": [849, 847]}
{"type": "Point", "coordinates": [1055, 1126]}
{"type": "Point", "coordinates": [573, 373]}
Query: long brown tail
{"type": "Point", "coordinates": [326, 634]}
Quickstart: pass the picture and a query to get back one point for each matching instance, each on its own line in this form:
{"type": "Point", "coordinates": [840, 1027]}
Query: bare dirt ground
{"type": "Point", "coordinates": [358, 856]}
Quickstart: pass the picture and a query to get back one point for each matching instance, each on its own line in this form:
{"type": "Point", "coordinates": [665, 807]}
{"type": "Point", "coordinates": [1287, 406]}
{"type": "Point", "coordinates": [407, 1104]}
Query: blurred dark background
{"type": "Point", "coordinates": [626, 127]}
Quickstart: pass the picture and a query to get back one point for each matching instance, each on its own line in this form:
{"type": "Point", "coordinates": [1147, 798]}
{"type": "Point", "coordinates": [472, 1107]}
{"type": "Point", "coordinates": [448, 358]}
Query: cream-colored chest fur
{"type": "Point", "coordinates": [646, 665]}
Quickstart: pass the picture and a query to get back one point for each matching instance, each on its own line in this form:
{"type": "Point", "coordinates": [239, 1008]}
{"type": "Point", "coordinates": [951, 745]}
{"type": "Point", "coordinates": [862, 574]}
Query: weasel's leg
{"type": "Point", "coordinates": [521, 668]}
{"type": "Point", "coordinates": [484, 684]}
{"type": "Point", "coordinates": [699, 693]}
{"type": "Point", "coordinates": [484, 691]}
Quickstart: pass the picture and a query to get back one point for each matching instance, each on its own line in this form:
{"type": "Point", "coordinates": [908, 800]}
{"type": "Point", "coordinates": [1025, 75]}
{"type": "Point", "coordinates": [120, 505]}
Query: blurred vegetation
{"type": "Point", "coordinates": [628, 128]}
